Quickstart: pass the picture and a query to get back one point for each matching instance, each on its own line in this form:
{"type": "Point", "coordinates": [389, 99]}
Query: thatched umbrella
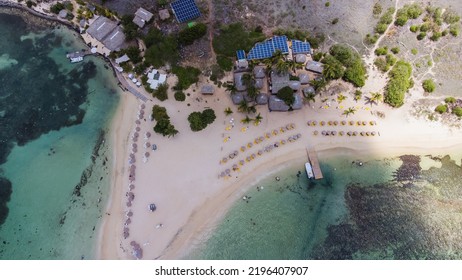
{"type": "Point", "coordinates": [335, 122]}
{"type": "Point", "coordinates": [242, 148]}
{"type": "Point", "coordinates": [324, 133]}
{"type": "Point", "coordinates": [241, 162]}
{"type": "Point", "coordinates": [141, 111]}
{"type": "Point", "coordinates": [267, 135]}
{"type": "Point", "coordinates": [248, 159]}
{"type": "Point", "coordinates": [314, 123]}
{"type": "Point", "coordinates": [275, 132]}
{"type": "Point", "coordinates": [343, 122]}
{"type": "Point", "coordinates": [299, 135]}
{"type": "Point", "coordinates": [136, 134]}
{"type": "Point", "coordinates": [362, 133]}
{"type": "Point", "coordinates": [140, 117]}
{"type": "Point", "coordinates": [256, 141]}
{"type": "Point", "coordinates": [129, 204]}
{"type": "Point", "coordinates": [134, 150]}
{"type": "Point", "coordinates": [373, 133]}
{"type": "Point", "coordinates": [333, 133]}
{"type": "Point", "coordinates": [315, 132]}
{"type": "Point", "coordinates": [288, 127]}
{"type": "Point", "coordinates": [147, 145]}
{"type": "Point", "coordinates": [364, 123]}
{"type": "Point", "coordinates": [227, 171]}
{"type": "Point", "coordinates": [253, 156]}
{"type": "Point", "coordinates": [132, 167]}
{"type": "Point", "coordinates": [131, 196]}
{"type": "Point", "coordinates": [134, 145]}
{"type": "Point", "coordinates": [137, 129]}
{"type": "Point", "coordinates": [292, 125]}
{"type": "Point", "coordinates": [126, 234]}
{"type": "Point", "coordinates": [131, 187]}
{"type": "Point", "coordinates": [329, 123]}
{"type": "Point", "coordinates": [282, 129]}
{"type": "Point", "coordinates": [146, 154]}
{"type": "Point", "coordinates": [352, 122]}
{"type": "Point", "coordinates": [322, 123]}
{"type": "Point", "coordinates": [224, 160]}
{"type": "Point", "coordinates": [283, 142]}
{"type": "Point", "coordinates": [231, 155]}
{"type": "Point", "coordinates": [358, 122]}
{"type": "Point", "coordinates": [249, 145]}
{"type": "Point", "coordinates": [261, 138]}
{"type": "Point", "coordinates": [223, 174]}
{"type": "Point", "coordinates": [308, 123]}
{"type": "Point", "coordinates": [355, 133]}
{"type": "Point", "coordinates": [137, 122]}
{"type": "Point", "coordinates": [142, 106]}
{"type": "Point", "coordinates": [235, 167]}
{"type": "Point", "coordinates": [341, 133]}
{"type": "Point", "coordinates": [349, 133]}
{"type": "Point", "coordinates": [371, 122]}
{"type": "Point", "coordinates": [260, 152]}
{"type": "Point", "coordinates": [135, 139]}
{"type": "Point", "coordinates": [128, 221]}
{"type": "Point", "coordinates": [147, 135]}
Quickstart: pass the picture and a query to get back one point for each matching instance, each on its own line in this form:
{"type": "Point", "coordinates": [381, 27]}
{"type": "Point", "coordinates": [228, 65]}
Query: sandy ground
{"type": "Point", "coordinates": [182, 176]}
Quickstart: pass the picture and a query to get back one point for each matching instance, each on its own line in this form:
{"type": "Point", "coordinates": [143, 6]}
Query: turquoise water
{"type": "Point", "coordinates": [367, 212]}
{"type": "Point", "coordinates": [55, 117]}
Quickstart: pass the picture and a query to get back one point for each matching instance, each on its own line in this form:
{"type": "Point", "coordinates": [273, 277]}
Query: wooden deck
{"type": "Point", "coordinates": [313, 158]}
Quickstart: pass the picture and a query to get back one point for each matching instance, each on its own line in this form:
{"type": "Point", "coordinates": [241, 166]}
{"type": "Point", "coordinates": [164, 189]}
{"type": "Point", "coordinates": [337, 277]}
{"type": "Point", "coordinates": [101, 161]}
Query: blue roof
{"type": "Point", "coordinates": [185, 10]}
{"type": "Point", "coordinates": [267, 48]}
{"type": "Point", "coordinates": [240, 54]}
{"type": "Point", "coordinates": [300, 47]}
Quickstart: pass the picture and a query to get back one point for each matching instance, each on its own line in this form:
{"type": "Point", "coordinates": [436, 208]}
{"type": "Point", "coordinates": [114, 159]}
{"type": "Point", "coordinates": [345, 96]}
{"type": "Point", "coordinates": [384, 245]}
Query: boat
{"type": "Point", "coordinates": [309, 170]}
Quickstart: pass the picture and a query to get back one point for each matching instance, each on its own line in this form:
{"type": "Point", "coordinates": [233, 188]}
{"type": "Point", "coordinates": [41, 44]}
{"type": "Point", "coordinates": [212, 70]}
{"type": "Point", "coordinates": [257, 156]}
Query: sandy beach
{"type": "Point", "coordinates": [182, 177]}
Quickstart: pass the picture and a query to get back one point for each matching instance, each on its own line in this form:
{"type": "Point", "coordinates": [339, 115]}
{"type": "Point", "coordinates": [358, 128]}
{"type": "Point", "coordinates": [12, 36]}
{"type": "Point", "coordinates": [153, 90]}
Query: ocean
{"type": "Point", "coordinates": [54, 157]}
{"type": "Point", "coordinates": [406, 207]}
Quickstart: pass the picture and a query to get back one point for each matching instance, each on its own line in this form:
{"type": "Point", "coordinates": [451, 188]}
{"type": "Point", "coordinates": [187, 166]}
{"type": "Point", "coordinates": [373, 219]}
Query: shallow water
{"type": "Point", "coordinates": [55, 116]}
{"type": "Point", "coordinates": [368, 212]}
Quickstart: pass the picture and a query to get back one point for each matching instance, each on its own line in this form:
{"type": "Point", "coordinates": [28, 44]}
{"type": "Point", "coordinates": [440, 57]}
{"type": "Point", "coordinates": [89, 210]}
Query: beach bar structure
{"type": "Point", "coordinates": [313, 158]}
{"type": "Point", "coordinates": [107, 32]}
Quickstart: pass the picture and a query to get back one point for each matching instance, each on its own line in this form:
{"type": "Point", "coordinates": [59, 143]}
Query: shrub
{"type": "Point", "coordinates": [414, 28]}
{"type": "Point", "coordinates": [381, 51]}
{"type": "Point", "coordinates": [188, 35]}
{"type": "Point", "coordinates": [225, 63]}
{"type": "Point", "coordinates": [398, 84]}
{"type": "Point", "coordinates": [414, 51]}
{"type": "Point", "coordinates": [436, 36]}
{"type": "Point", "coordinates": [421, 35]}
{"type": "Point", "coordinates": [234, 37]}
{"type": "Point", "coordinates": [454, 29]}
{"type": "Point", "coordinates": [199, 120]}
{"type": "Point", "coordinates": [161, 92]}
{"type": "Point", "coordinates": [443, 108]}
{"type": "Point", "coordinates": [333, 69]}
{"type": "Point", "coordinates": [387, 17]}
{"type": "Point", "coordinates": [450, 100]}
{"type": "Point", "coordinates": [457, 111]}
{"type": "Point", "coordinates": [287, 95]}
{"type": "Point", "coordinates": [327, 4]}
{"type": "Point", "coordinates": [335, 21]}
{"type": "Point", "coordinates": [381, 28]}
{"type": "Point", "coordinates": [381, 64]}
{"type": "Point", "coordinates": [451, 17]}
{"type": "Point", "coordinates": [133, 53]}
{"type": "Point", "coordinates": [129, 27]}
{"type": "Point", "coordinates": [425, 27]}
{"type": "Point", "coordinates": [371, 39]}
{"type": "Point", "coordinates": [395, 50]}
{"type": "Point", "coordinates": [161, 49]}
{"type": "Point", "coordinates": [428, 85]}
{"type": "Point", "coordinates": [356, 74]}
{"type": "Point", "coordinates": [159, 112]}
{"type": "Point", "coordinates": [56, 8]}
{"type": "Point", "coordinates": [318, 56]}
{"type": "Point", "coordinates": [391, 59]}
{"type": "Point", "coordinates": [186, 76]}
{"type": "Point", "coordinates": [180, 96]}
{"type": "Point", "coordinates": [377, 9]}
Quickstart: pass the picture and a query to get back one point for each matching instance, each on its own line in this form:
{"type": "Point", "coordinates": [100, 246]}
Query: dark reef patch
{"type": "Point", "coordinates": [5, 194]}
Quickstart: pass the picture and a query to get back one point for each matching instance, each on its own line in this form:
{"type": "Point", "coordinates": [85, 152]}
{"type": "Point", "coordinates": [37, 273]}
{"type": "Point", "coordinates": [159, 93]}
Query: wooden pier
{"type": "Point", "coordinates": [313, 158]}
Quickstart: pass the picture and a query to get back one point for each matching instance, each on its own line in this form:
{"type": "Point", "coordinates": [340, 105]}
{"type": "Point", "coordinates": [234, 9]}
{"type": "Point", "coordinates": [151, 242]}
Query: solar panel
{"type": "Point", "coordinates": [300, 47]}
{"type": "Point", "coordinates": [240, 54]}
{"type": "Point", "coordinates": [261, 50]}
{"type": "Point", "coordinates": [280, 43]}
{"type": "Point", "coordinates": [185, 10]}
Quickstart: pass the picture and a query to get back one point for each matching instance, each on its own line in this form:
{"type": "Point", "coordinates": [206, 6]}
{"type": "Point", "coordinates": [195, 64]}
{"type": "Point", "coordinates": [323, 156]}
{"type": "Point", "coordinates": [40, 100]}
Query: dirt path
{"type": "Point", "coordinates": [211, 21]}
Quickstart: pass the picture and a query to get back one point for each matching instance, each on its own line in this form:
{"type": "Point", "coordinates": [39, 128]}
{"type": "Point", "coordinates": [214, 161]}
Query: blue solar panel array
{"type": "Point", "coordinates": [267, 48]}
{"type": "Point", "coordinates": [280, 43]}
{"type": "Point", "coordinates": [185, 10]}
{"type": "Point", "coordinates": [300, 47]}
{"type": "Point", "coordinates": [240, 54]}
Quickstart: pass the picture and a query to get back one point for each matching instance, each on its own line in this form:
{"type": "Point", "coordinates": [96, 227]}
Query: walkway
{"type": "Point", "coordinates": [124, 84]}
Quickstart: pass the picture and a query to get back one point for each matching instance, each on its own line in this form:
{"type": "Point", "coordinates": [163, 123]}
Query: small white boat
{"type": "Point", "coordinates": [309, 170]}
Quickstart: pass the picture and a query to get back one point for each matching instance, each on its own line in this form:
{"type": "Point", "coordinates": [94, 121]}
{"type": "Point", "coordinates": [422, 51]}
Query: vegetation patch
{"type": "Point", "coordinates": [235, 37]}
{"type": "Point", "coordinates": [161, 49]}
{"type": "Point", "coordinates": [199, 120]}
{"type": "Point", "coordinates": [163, 125]}
{"type": "Point", "coordinates": [186, 77]}
{"type": "Point", "coordinates": [161, 92]}
{"type": "Point", "coordinates": [429, 85]}
{"type": "Point", "coordinates": [188, 35]}
{"type": "Point", "coordinates": [180, 96]}
{"type": "Point", "coordinates": [399, 82]}
{"type": "Point", "coordinates": [287, 95]}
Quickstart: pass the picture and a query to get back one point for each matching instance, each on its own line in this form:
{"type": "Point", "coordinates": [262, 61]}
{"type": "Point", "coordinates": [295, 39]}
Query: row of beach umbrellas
{"type": "Point", "coordinates": [266, 149]}
{"type": "Point", "coordinates": [335, 123]}
{"type": "Point", "coordinates": [342, 133]}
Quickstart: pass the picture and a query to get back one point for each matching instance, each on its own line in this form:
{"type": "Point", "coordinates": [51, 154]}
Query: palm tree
{"type": "Point", "coordinates": [246, 120]}
{"type": "Point", "coordinates": [282, 66]}
{"type": "Point", "coordinates": [258, 119]}
{"type": "Point", "coordinates": [310, 97]}
{"type": "Point", "coordinates": [358, 95]}
{"type": "Point", "coordinates": [171, 131]}
{"type": "Point", "coordinates": [243, 107]}
{"type": "Point", "coordinates": [375, 98]}
{"type": "Point", "coordinates": [231, 88]}
{"type": "Point", "coordinates": [349, 111]}
{"type": "Point", "coordinates": [252, 91]}
{"type": "Point", "coordinates": [228, 111]}
{"type": "Point", "coordinates": [329, 71]}
{"type": "Point", "coordinates": [277, 56]}
{"type": "Point", "coordinates": [341, 98]}
{"type": "Point", "coordinates": [248, 80]}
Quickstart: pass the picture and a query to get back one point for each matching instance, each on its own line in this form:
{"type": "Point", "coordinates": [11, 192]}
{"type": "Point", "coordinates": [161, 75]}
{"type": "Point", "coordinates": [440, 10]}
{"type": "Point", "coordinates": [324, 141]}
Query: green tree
{"type": "Point", "coordinates": [161, 92]}
{"type": "Point", "coordinates": [243, 107]}
{"type": "Point", "coordinates": [341, 98]}
{"type": "Point", "coordinates": [333, 69]}
{"type": "Point", "coordinates": [442, 108]}
{"type": "Point", "coordinates": [186, 76]}
{"type": "Point", "coordinates": [228, 111]}
{"type": "Point", "coordinates": [287, 95]}
{"type": "Point", "coordinates": [375, 98]}
{"type": "Point", "coordinates": [180, 96]}
{"type": "Point", "coordinates": [246, 120]}
{"type": "Point", "coordinates": [358, 95]}
{"type": "Point", "coordinates": [399, 82]}
{"type": "Point", "coordinates": [188, 35]}
{"type": "Point", "coordinates": [450, 100]}
{"type": "Point", "coordinates": [310, 97]}
{"type": "Point", "coordinates": [428, 85]}
{"type": "Point", "coordinates": [208, 116]}
{"type": "Point", "coordinates": [159, 112]}
{"type": "Point", "coordinates": [258, 119]}
{"type": "Point", "coordinates": [349, 111]}
{"type": "Point", "coordinates": [195, 121]}
{"type": "Point", "coordinates": [457, 111]}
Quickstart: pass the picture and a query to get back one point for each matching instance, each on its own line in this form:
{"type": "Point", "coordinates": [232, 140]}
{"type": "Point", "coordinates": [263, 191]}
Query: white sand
{"type": "Point", "coordinates": [181, 177]}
